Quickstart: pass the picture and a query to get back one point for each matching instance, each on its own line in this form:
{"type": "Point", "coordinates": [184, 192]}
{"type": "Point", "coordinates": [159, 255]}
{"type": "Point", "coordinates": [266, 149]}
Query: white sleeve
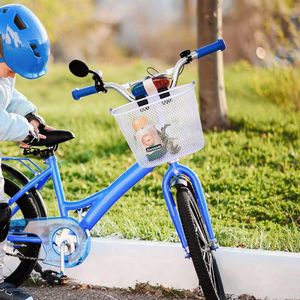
{"type": "Point", "coordinates": [19, 104]}
{"type": "Point", "coordinates": [13, 127]}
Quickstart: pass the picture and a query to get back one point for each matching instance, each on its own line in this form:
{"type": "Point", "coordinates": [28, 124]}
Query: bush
{"type": "Point", "coordinates": [276, 85]}
{"type": "Point", "coordinates": [250, 173]}
{"type": "Point", "coordinates": [280, 86]}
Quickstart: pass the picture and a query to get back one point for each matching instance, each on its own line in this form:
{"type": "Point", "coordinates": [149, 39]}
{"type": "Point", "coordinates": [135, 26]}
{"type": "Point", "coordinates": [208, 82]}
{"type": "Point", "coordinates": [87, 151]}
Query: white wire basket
{"type": "Point", "coordinates": [164, 129]}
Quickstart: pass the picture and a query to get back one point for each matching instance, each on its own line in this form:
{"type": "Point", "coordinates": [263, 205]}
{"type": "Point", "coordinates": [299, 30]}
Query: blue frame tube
{"type": "Point", "coordinates": [23, 239]}
{"type": "Point", "coordinates": [102, 201]}
{"type": "Point", "coordinates": [35, 181]}
{"type": "Point", "coordinates": [166, 188]}
{"type": "Point", "coordinates": [75, 205]}
{"type": "Point", "coordinates": [121, 185]}
{"type": "Point", "coordinates": [58, 188]}
{"type": "Point", "coordinates": [176, 170]}
{"type": "Point", "coordinates": [200, 198]}
{"type": "Point", "coordinates": [115, 191]}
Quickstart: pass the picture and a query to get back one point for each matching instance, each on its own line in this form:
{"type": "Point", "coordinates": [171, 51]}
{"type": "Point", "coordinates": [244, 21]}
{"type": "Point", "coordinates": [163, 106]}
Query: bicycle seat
{"type": "Point", "coordinates": [54, 137]}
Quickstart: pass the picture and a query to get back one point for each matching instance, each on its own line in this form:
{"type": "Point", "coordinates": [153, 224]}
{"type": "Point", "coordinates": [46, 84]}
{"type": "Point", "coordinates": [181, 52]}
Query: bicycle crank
{"type": "Point", "coordinates": [64, 241]}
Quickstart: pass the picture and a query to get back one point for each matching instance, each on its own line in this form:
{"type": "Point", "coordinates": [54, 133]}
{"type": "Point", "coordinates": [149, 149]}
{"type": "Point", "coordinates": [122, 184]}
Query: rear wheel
{"type": "Point", "coordinates": [198, 242]}
{"type": "Point", "coordinates": [17, 270]}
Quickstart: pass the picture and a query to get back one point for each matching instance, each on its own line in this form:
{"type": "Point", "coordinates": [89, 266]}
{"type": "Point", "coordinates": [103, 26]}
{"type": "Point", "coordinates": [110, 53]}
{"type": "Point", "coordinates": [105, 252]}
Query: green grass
{"type": "Point", "coordinates": [250, 173]}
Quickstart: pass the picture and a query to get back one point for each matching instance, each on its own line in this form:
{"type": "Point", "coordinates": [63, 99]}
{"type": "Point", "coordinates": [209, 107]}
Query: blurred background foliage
{"type": "Point", "coordinates": [262, 32]}
{"type": "Point", "coordinates": [251, 172]}
{"type": "Point", "coordinates": [60, 17]}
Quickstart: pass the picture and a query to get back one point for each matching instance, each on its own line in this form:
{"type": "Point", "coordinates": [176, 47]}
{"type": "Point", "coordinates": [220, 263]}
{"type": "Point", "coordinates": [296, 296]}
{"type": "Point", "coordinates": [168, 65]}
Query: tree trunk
{"type": "Point", "coordinates": [213, 108]}
{"type": "Point", "coordinates": [188, 13]}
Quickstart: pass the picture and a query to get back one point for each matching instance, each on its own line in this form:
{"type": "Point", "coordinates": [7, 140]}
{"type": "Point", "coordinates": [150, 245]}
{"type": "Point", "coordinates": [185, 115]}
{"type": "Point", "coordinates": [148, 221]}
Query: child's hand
{"type": "Point", "coordinates": [36, 124]}
{"type": "Point", "coordinates": [38, 128]}
{"type": "Point", "coordinates": [35, 134]}
{"type": "Point", "coordinates": [49, 128]}
{"type": "Point", "coordinates": [31, 137]}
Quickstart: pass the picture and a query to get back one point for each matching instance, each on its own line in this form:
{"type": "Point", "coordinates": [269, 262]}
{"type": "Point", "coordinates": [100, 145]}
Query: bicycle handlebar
{"type": "Point", "coordinates": [86, 91]}
{"type": "Point", "coordinates": [198, 53]}
{"type": "Point", "coordinates": [213, 47]}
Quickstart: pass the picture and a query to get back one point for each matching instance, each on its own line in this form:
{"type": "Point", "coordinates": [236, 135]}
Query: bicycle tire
{"type": "Point", "coordinates": [198, 243]}
{"type": "Point", "coordinates": [20, 180]}
{"type": "Point", "coordinates": [29, 210]}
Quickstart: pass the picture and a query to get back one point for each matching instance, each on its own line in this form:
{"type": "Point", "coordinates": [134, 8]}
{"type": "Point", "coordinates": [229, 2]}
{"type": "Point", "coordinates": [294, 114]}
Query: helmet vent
{"type": "Point", "coordinates": [19, 23]}
{"type": "Point", "coordinates": [35, 50]}
{"type": "Point", "coordinates": [4, 10]}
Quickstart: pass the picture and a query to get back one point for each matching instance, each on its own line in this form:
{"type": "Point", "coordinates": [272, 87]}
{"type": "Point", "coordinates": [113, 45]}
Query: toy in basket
{"type": "Point", "coordinates": [155, 143]}
{"type": "Point", "coordinates": [162, 127]}
{"type": "Point", "coordinates": [148, 138]}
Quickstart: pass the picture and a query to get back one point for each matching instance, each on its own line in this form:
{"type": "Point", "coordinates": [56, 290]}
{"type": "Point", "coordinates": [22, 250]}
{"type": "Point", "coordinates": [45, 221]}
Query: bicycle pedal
{"type": "Point", "coordinates": [53, 277]}
{"type": "Point", "coordinates": [64, 280]}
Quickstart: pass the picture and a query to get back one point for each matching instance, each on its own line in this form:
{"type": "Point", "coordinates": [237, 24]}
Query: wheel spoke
{"type": "Point", "coordinates": [199, 243]}
{"type": "Point", "coordinates": [206, 254]}
{"type": "Point", "coordinates": [207, 258]}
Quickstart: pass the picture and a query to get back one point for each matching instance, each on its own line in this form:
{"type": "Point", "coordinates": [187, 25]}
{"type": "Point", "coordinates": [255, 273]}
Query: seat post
{"type": "Point", "coordinates": [52, 149]}
{"type": "Point", "coordinates": [46, 153]}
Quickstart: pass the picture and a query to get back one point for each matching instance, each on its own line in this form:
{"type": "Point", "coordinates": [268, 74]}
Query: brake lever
{"type": "Point", "coordinates": [99, 84]}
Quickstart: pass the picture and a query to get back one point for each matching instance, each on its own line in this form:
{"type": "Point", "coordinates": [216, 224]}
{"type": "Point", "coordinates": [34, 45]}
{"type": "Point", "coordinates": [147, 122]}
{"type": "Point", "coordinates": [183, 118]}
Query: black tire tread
{"type": "Point", "coordinates": [20, 180]}
{"type": "Point", "coordinates": [29, 210]}
{"type": "Point", "coordinates": [184, 196]}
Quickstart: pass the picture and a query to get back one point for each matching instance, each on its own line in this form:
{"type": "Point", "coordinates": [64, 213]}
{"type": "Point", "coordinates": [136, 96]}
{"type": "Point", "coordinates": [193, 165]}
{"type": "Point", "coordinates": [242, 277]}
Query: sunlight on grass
{"type": "Point", "coordinates": [250, 173]}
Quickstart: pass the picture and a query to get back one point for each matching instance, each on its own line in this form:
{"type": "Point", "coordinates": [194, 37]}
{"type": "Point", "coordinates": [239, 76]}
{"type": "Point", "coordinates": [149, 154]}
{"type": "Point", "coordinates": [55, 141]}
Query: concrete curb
{"type": "Point", "coordinates": [123, 263]}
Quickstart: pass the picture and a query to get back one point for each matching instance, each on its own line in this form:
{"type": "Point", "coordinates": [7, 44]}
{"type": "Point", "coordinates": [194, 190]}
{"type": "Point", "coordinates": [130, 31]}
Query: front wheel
{"type": "Point", "coordinates": [199, 247]}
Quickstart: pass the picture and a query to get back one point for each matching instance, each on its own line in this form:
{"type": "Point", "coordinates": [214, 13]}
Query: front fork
{"type": "Point", "coordinates": [174, 175]}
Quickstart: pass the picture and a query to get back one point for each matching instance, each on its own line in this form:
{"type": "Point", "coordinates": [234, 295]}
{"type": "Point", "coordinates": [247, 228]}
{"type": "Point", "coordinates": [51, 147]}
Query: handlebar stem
{"type": "Point", "coordinates": [120, 89]}
{"type": "Point", "coordinates": [181, 62]}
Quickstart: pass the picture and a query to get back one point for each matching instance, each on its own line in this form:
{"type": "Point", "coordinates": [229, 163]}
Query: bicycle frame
{"type": "Point", "coordinates": [100, 202]}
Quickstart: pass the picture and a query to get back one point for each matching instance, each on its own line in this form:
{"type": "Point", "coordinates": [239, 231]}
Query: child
{"type": "Point", "coordinates": [24, 50]}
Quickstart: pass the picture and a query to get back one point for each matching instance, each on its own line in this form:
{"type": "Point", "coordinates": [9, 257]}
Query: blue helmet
{"type": "Point", "coordinates": [25, 43]}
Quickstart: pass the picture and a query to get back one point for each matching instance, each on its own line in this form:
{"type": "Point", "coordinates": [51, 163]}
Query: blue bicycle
{"type": "Point", "coordinates": [161, 124]}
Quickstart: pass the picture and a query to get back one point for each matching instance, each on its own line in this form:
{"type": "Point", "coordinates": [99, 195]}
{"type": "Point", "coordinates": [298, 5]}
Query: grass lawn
{"type": "Point", "coordinates": [250, 173]}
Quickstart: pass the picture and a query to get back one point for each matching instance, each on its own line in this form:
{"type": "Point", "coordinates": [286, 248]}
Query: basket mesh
{"type": "Point", "coordinates": [165, 129]}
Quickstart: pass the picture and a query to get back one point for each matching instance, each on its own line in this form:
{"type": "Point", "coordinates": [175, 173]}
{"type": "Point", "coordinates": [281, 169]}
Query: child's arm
{"type": "Point", "coordinates": [13, 127]}
{"type": "Point", "coordinates": [20, 105]}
